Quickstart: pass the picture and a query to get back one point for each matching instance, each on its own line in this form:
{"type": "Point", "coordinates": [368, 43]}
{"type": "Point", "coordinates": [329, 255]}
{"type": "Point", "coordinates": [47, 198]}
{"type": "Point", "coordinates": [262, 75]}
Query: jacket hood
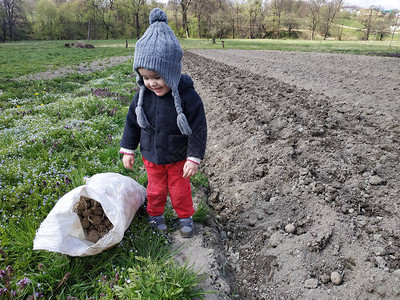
{"type": "Point", "coordinates": [185, 82]}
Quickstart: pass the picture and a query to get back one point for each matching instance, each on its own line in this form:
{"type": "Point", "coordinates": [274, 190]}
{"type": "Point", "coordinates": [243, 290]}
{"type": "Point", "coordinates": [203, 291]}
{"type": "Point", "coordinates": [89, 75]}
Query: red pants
{"type": "Point", "coordinates": [168, 178]}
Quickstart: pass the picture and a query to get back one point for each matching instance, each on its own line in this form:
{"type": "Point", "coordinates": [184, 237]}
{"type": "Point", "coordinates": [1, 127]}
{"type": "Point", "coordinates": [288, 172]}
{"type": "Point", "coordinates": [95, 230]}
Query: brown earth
{"type": "Point", "coordinates": [311, 140]}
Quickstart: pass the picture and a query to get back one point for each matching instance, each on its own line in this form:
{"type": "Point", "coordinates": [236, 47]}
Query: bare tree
{"type": "Point", "coordinates": [314, 15]}
{"type": "Point", "coordinates": [368, 19]}
{"type": "Point", "coordinates": [253, 11]}
{"type": "Point", "coordinates": [199, 9]}
{"type": "Point", "coordinates": [137, 7]}
{"type": "Point", "coordinates": [277, 9]}
{"type": "Point", "coordinates": [11, 12]}
{"type": "Point", "coordinates": [216, 21]}
{"type": "Point", "coordinates": [105, 10]}
{"type": "Point", "coordinates": [290, 18]}
{"type": "Point", "coordinates": [185, 4]}
{"type": "Point", "coordinates": [3, 22]}
{"type": "Point", "coordinates": [235, 10]}
{"type": "Point", "coordinates": [290, 22]}
{"type": "Point", "coordinates": [264, 20]}
{"type": "Point", "coordinates": [84, 16]}
{"type": "Point", "coordinates": [329, 12]}
{"type": "Point", "coordinates": [396, 24]}
{"type": "Point", "coordinates": [232, 10]}
{"type": "Point", "coordinates": [220, 25]}
{"type": "Point", "coordinates": [46, 20]}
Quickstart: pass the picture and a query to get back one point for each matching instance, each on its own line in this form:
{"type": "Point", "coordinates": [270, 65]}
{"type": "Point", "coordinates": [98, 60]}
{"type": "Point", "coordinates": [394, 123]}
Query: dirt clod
{"type": "Point", "coordinates": [336, 278]}
{"type": "Point", "coordinates": [311, 283]}
{"type": "Point", "coordinates": [289, 228]}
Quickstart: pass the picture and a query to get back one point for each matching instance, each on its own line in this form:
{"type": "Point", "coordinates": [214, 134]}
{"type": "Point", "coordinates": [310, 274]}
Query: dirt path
{"type": "Point", "coordinates": [310, 140]}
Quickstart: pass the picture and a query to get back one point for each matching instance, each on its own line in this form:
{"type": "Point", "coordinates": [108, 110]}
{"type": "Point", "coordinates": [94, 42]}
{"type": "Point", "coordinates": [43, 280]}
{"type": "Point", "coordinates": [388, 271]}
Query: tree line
{"type": "Point", "coordinates": [105, 19]}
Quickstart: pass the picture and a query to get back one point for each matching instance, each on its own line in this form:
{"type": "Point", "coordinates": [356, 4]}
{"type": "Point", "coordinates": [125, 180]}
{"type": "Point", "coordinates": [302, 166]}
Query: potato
{"type": "Point", "coordinates": [93, 236]}
{"type": "Point", "coordinates": [101, 228]}
{"type": "Point", "coordinates": [78, 212]}
{"type": "Point", "coordinates": [93, 203]}
{"type": "Point", "coordinates": [107, 222]}
{"type": "Point", "coordinates": [98, 211]}
{"type": "Point", "coordinates": [81, 205]}
{"type": "Point", "coordinates": [95, 220]}
{"type": "Point", "coordinates": [85, 223]}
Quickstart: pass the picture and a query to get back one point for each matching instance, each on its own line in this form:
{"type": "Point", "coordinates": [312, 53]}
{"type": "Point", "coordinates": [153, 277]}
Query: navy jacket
{"type": "Point", "coordinates": [163, 143]}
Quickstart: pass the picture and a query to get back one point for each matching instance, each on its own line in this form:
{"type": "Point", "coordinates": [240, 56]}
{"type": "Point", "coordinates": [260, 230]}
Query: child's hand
{"type": "Point", "coordinates": [128, 161]}
{"type": "Point", "coordinates": [189, 169]}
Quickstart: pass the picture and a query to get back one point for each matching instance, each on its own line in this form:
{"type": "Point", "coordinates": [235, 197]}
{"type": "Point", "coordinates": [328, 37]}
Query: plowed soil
{"type": "Point", "coordinates": [311, 140]}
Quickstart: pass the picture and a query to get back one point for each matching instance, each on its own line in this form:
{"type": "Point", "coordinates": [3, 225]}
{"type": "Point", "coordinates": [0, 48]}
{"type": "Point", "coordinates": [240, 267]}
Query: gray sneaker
{"type": "Point", "coordinates": [158, 223]}
{"type": "Point", "coordinates": [186, 227]}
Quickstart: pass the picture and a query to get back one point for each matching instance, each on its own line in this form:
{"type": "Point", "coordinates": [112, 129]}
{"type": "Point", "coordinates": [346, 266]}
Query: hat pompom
{"type": "Point", "coordinates": [158, 15]}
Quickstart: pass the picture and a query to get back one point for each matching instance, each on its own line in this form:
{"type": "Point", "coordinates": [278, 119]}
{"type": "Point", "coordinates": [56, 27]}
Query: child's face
{"type": "Point", "coordinates": [154, 82]}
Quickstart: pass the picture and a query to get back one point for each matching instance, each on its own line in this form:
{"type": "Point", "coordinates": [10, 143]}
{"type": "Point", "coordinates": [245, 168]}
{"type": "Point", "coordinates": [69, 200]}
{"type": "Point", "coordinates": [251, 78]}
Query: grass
{"type": "Point", "coordinates": [332, 46]}
{"type": "Point", "coordinates": [149, 280]}
{"type": "Point", "coordinates": [20, 58]}
{"type": "Point", "coordinates": [350, 23]}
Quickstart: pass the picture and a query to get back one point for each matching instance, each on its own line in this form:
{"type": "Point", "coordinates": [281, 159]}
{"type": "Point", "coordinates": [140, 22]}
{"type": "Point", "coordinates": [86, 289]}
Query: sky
{"type": "Point", "coordinates": [386, 4]}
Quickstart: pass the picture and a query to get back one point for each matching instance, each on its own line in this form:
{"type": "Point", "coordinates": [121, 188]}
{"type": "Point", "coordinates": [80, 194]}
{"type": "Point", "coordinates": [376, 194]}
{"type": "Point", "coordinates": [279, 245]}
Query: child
{"type": "Point", "coordinates": [167, 119]}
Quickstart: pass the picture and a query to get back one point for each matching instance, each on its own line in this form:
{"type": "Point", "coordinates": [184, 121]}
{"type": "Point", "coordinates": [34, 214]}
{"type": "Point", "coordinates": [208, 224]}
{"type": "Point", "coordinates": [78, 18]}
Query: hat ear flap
{"type": "Point", "coordinates": [140, 116]}
{"type": "Point", "coordinates": [181, 120]}
{"type": "Point", "coordinates": [139, 79]}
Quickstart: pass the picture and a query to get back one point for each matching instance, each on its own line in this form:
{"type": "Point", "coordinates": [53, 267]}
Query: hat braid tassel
{"type": "Point", "coordinates": [181, 119]}
{"type": "Point", "coordinates": [141, 117]}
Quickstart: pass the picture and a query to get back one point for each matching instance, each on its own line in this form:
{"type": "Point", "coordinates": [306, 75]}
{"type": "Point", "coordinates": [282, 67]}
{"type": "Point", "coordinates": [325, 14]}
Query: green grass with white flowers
{"type": "Point", "coordinates": [53, 134]}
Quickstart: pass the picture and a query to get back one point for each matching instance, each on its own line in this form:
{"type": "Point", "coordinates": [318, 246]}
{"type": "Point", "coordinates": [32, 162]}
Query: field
{"type": "Point", "coordinates": [326, 138]}
{"type": "Point", "coordinates": [303, 168]}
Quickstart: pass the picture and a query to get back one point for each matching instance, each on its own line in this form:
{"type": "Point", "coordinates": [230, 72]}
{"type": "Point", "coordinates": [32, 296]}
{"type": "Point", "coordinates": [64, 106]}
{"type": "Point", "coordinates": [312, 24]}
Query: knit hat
{"type": "Point", "coordinates": [159, 50]}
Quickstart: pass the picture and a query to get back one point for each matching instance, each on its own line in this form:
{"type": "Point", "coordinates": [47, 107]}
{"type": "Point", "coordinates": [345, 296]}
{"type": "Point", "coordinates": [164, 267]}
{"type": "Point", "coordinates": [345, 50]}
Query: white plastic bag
{"type": "Point", "coordinates": [61, 231]}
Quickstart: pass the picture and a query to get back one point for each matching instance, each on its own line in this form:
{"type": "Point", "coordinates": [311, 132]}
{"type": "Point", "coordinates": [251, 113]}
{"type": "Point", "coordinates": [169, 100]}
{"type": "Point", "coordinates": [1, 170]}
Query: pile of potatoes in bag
{"type": "Point", "coordinates": [93, 219]}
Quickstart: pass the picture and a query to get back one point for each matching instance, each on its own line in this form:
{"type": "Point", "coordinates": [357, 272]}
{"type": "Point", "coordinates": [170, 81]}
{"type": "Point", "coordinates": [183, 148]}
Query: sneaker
{"type": "Point", "coordinates": [186, 227]}
{"type": "Point", "coordinates": [158, 223]}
